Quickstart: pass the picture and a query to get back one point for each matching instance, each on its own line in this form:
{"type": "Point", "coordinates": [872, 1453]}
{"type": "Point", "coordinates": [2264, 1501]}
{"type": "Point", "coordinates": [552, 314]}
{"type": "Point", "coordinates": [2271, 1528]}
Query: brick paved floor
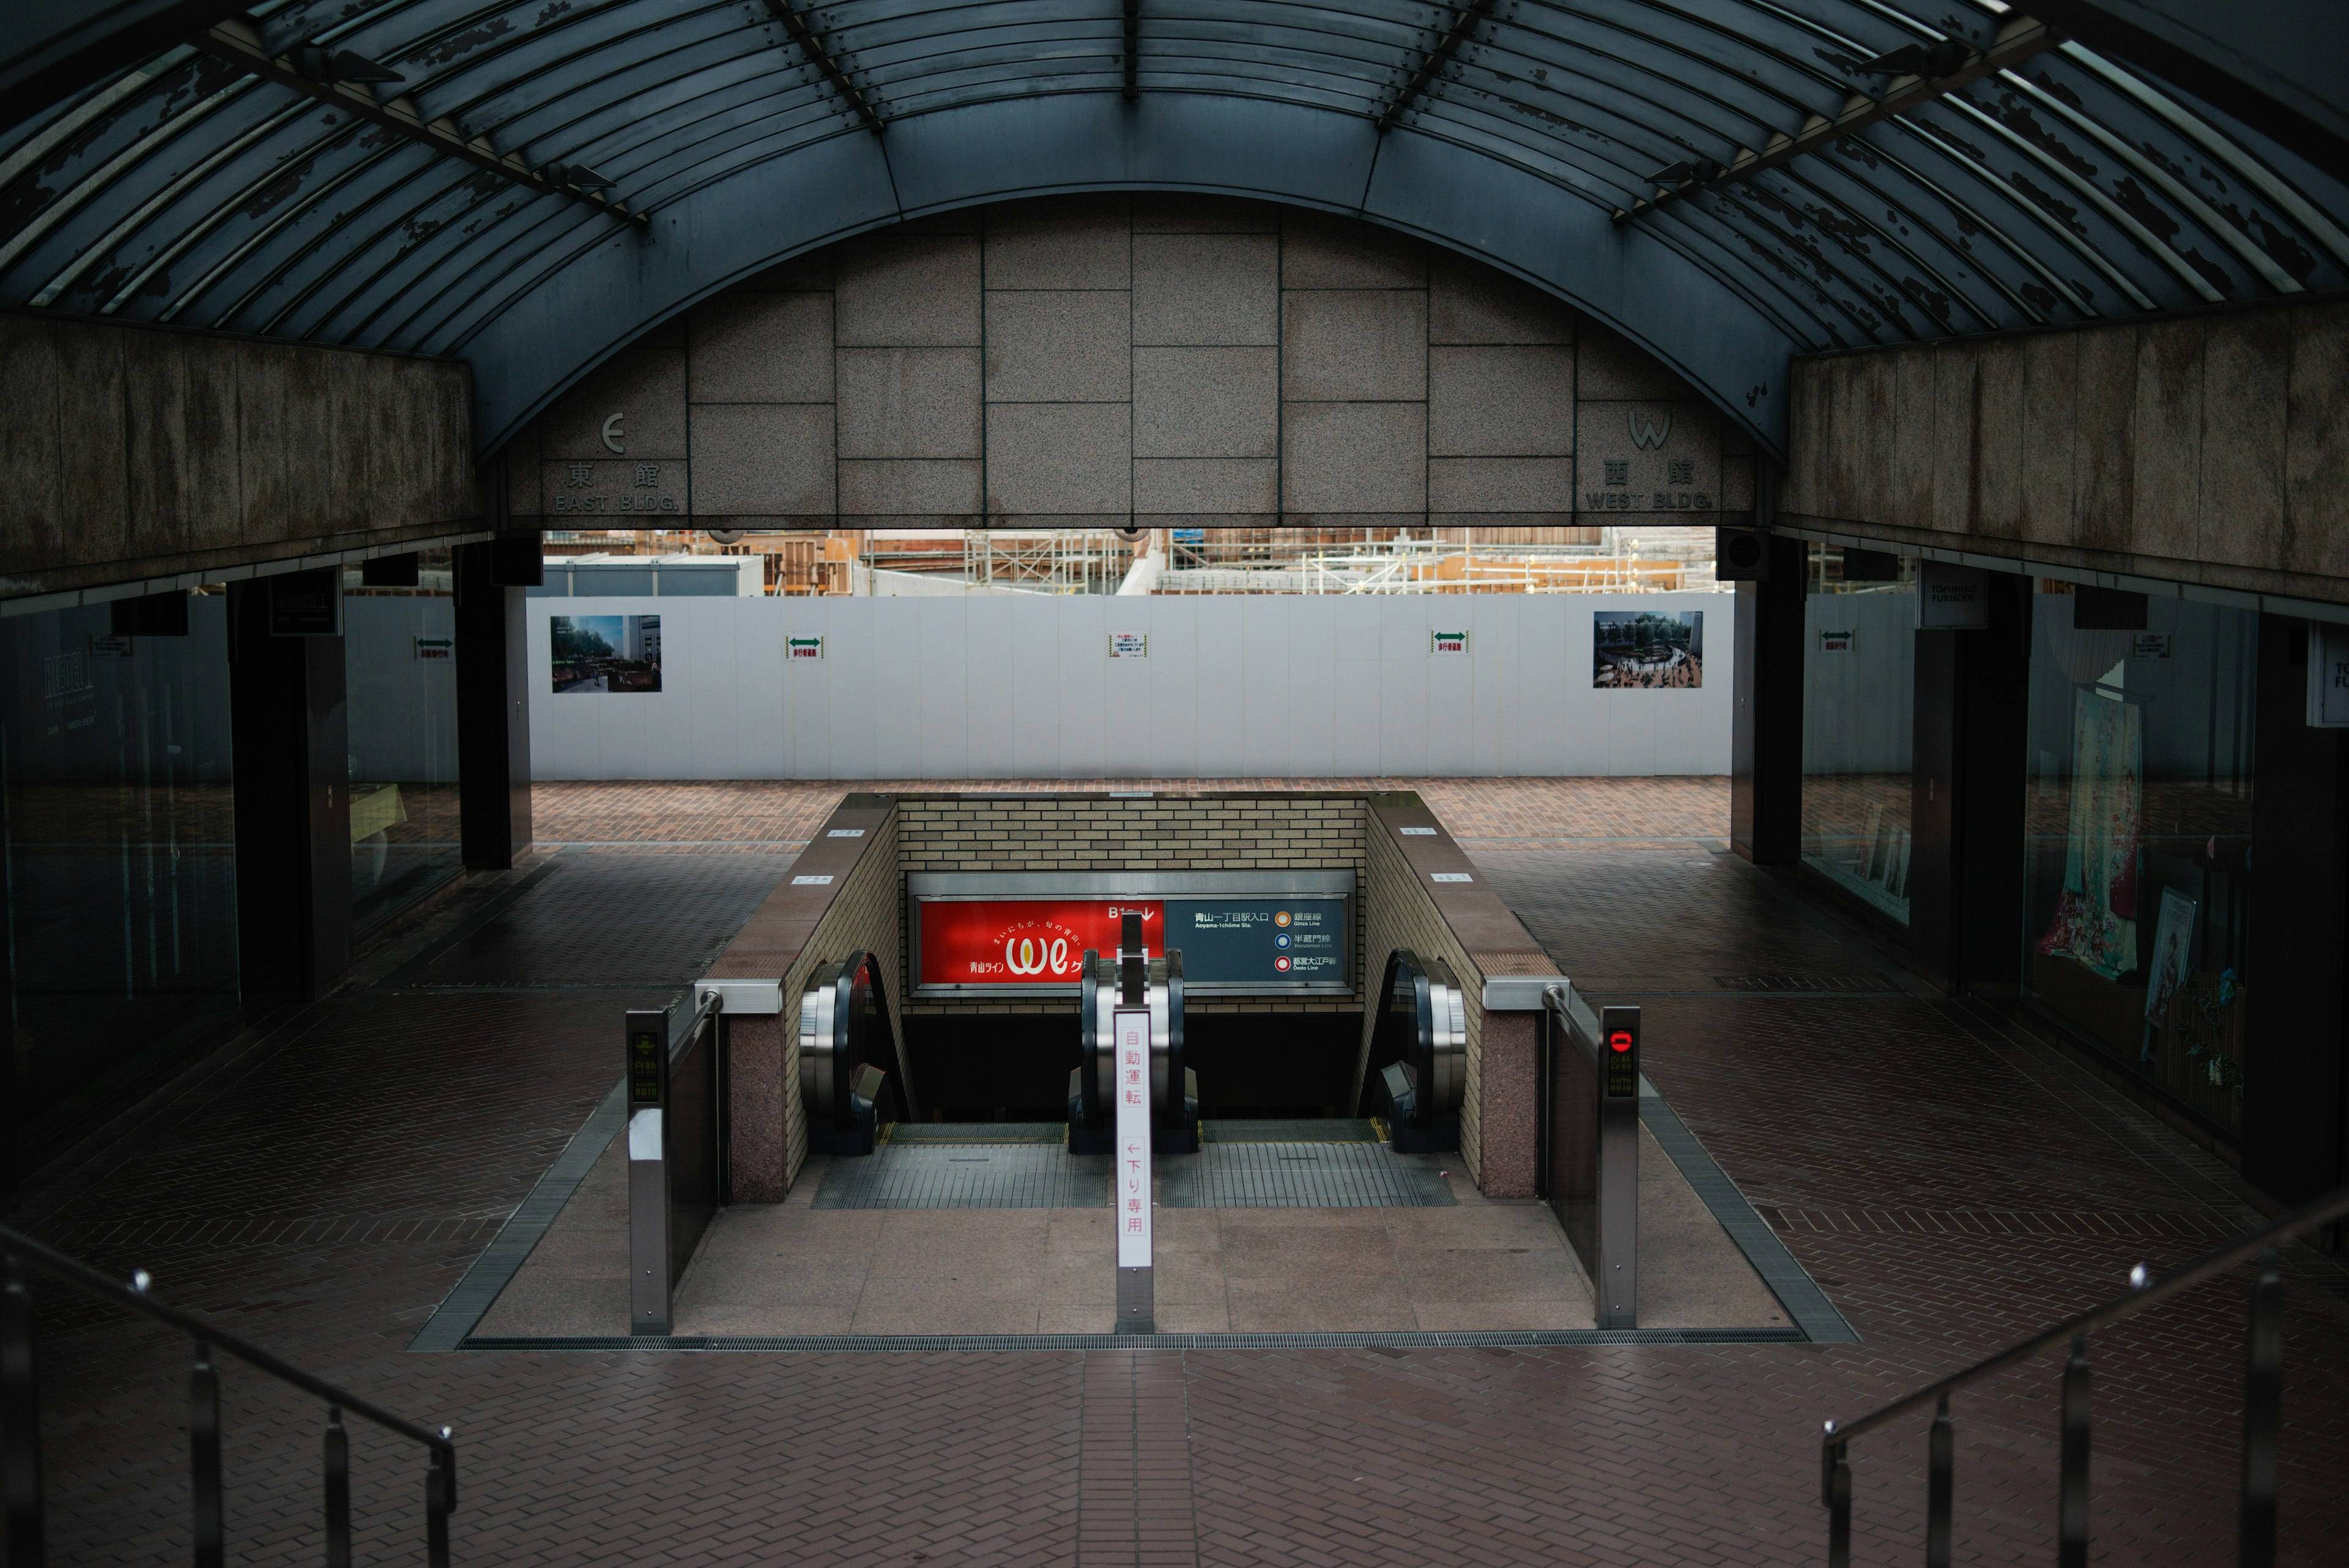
{"type": "Point", "coordinates": [321, 1185]}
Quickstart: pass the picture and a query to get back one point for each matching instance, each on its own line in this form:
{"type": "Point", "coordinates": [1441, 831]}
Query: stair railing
{"type": "Point", "coordinates": [2262, 1405]}
{"type": "Point", "coordinates": [20, 1417]}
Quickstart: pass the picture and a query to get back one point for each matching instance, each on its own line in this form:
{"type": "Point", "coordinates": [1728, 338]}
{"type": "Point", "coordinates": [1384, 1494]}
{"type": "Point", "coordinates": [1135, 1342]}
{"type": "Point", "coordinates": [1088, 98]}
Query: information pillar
{"type": "Point", "coordinates": [1130, 1031]}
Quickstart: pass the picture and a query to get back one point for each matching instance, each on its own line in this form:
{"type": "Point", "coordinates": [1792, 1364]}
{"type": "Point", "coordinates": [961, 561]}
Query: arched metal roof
{"type": "Point", "coordinates": [1725, 182]}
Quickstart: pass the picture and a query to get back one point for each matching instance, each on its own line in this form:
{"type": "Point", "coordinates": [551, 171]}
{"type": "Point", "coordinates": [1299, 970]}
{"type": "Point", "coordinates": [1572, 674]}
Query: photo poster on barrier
{"type": "Point", "coordinates": [2165, 971]}
{"type": "Point", "coordinates": [1647, 650]}
{"type": "Point", "coordinates": [1131, 1029]}
{"type": "Point", "coordinates": [605, 652]}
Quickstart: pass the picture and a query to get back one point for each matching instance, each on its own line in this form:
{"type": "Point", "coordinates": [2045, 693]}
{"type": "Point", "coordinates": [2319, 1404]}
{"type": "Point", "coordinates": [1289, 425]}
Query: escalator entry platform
{"type": "Point", "coordinates": [1320, 1164]}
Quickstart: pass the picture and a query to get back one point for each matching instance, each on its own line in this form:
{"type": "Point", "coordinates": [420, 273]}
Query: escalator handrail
{"type": "Point", "coordinates": [1175, 1095]}
{"type": "Point", "coordinates": [1089, 1038]}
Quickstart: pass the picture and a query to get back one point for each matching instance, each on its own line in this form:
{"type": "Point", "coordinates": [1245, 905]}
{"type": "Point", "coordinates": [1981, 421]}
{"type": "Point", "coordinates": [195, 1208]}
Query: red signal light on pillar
{"type": "Point", "coordinates": [1621, 1040]}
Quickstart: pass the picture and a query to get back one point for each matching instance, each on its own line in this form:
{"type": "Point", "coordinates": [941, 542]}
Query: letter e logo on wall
{"type": "Point", "coordinates": [614, 435]}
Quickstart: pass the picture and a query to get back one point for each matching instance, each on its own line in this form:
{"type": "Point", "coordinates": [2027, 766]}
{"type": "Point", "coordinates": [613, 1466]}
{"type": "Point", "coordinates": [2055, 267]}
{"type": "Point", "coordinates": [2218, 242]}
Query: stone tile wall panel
{"type": "Point", "coordinates": [1153, 359]}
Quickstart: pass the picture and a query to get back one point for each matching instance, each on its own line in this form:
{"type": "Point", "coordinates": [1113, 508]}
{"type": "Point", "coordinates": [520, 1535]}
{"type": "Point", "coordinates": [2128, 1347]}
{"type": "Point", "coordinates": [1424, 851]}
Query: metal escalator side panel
{"type": "Point", "coordinates": [1446, 1044]}
{"type": "Point", "coordinates": [819, 1034]}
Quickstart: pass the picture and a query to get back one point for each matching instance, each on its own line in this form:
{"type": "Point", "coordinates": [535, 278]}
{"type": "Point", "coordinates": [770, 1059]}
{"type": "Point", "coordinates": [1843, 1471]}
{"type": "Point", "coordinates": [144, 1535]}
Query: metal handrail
{"type": "Point", "coordinates": [2261, 1417]}
{"type": "Point", "coordinates": [19, 1404]}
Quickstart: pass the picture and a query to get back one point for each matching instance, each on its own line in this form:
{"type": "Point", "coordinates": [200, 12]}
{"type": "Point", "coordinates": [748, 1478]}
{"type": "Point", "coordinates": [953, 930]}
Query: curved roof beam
{"type": "Point", "coordinates": [811, 42]}
{"type": "Point", "coordinates": [1464, 23]}
{"type": "Point", "coordinates": [2020, 39]}
{"type": "Point", "coordinates": [236, 43]}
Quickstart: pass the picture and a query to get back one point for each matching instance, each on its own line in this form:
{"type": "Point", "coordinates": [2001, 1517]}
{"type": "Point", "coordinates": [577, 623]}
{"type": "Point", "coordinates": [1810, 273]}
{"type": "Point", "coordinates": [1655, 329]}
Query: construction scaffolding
{"type": "Point", "coordinates": [1047, 560]}
{"type": "Point", "coordinates": [1617, 560]}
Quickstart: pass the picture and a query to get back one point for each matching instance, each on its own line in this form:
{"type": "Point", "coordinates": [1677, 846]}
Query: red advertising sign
{"type": "Point", "coordinates": [1025, 942]}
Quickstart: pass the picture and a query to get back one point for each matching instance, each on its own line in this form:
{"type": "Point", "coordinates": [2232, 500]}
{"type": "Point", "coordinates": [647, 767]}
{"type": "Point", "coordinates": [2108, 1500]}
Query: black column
{"type": "Point", "coordinates": [289, 727]}
{"type": "Point", "coordinates": [1965, 810]}
{"type": "Point", "coordinates": [1765, 784]}
{"type": "Point", "coordinates": [493, 700]}
{"type": "Point", "coordinates": [2296, 1088]}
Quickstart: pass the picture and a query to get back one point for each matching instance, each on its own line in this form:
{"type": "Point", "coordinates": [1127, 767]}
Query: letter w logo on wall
{"type": "Point", "coordinates": [1646, 435]}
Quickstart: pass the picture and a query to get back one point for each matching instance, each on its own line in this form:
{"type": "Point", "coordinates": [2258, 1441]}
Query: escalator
{"type": "Point", "coordinates": [848, 1053]}
{"type": "Point", "coordinates": [1415, 1054]}
{"type": "Point", "coordinates": [1131, 978]}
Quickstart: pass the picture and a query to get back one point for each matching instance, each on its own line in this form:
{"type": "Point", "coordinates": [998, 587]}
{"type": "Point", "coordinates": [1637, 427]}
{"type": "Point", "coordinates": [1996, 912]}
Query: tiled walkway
{"type": "Point", "coordinates": [1949, 1182]}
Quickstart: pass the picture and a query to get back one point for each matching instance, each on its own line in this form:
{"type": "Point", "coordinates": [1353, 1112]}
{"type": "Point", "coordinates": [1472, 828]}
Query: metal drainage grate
{"type": "Point", "coordinates": [901, 1134]}
{"type": "Point", "coordinates": [946, 1175]}
{"type": "Point", "coordinates": [1800, 982]}
{"type": "Point", "coordinates": [1324, 1129]}
{"type": "Point", "coordinates": [1303, 1176]}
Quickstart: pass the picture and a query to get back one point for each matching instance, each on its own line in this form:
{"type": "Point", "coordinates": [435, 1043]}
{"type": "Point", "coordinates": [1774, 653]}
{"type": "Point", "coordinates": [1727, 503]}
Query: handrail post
{"type": "Point", "coordinates": [2262, 1415]}
{"type": "Point", "coordinates": [1940, 1451]}
{"type": "Point", "coordinates": [2072, 1516]}
{"type": "Point", "coordinates": [338, 1491]}
{"type": "Point", "coordinates": [20, 1422]}
{"type": "Point", "coordinates": [438, 1489]}
{"type": "Point", "coordinates": [1835, 1484]}
{"type": "Point", "coordinates": [204, 1458]}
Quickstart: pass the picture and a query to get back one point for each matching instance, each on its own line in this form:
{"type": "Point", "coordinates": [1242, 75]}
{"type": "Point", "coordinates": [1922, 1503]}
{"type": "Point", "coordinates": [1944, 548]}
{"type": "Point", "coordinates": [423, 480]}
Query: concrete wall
{"type": "Point", "coordinates": [802, 925]}
{"type": "Point", "coordinates": [1277, 687]}
{"type": "Point", "coordinates": [131, 451]}
{"type": "Point", "coordinates": [1163, 359]}
{"type": "Point", "coordinates": [2209, 449]}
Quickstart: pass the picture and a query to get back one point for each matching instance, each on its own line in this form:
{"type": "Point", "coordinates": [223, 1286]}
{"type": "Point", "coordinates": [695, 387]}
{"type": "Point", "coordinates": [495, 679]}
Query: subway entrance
{"type": "Point", "coordinates": [1090, 1063]}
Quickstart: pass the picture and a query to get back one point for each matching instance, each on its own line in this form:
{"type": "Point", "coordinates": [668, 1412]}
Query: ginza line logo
{"type": "Point", "coordinates": [1646, 435]}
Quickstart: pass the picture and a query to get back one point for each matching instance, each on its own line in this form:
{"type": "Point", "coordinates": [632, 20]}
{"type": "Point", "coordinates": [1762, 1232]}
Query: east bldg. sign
{"type": "Point", "coordinates": [617, 490]}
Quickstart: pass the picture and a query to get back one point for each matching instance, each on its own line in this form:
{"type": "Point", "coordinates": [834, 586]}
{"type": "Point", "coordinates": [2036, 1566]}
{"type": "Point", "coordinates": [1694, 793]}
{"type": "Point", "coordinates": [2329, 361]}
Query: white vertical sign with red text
{"type": "Point", "coordinates": [1131, 1034]}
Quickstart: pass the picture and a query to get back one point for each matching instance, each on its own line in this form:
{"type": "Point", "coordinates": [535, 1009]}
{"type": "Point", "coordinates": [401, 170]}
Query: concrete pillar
{"type": "Point", "coordinates": [493, 700]}
{"type": "Point", "coordinates": [1970, 712]}
{"type": "Point", "coordinates": [289, 730]}
{"type": "Point", "coordinates": [2296, 1072]}
{"type": "Point", "coordinates": [1766, 786]}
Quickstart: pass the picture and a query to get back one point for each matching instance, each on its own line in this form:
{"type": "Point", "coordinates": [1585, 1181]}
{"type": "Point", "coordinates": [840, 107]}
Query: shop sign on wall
{"type": "Point", "coordinates": [2150, 645]}
{"type": "Point", "coordinates": [2328, 676]}
{"type": "Point", "coordinates": [1129, 644]}
{"type": "Point", "coordinates": [1256, 937]}
{"type": "Point", "coordinates": [435, 649]}
{"type": "Point", "coordinates": [798, 648]}
{"type": "Point", "coordinates": [1837, 641]}
{"type": "Point", "coordinates": [1952, 598]}
{"type": "Point", "coordinates": [1448, 642]}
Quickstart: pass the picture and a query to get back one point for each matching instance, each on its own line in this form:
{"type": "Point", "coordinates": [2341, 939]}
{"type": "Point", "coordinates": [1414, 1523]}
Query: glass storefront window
{"type": "Point", "coordinates": [1860, 657]}
{"type": "Point", "coordinates": [400, 670]}
{"type": "Point", "coordinates": [2139, 851]}
{"type": "Point", "coordinates": [116, 758]}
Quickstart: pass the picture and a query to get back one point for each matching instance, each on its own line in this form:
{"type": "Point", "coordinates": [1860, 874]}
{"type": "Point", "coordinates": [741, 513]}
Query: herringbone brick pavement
{"type": "Point", "coordinates": [321, 1187]}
